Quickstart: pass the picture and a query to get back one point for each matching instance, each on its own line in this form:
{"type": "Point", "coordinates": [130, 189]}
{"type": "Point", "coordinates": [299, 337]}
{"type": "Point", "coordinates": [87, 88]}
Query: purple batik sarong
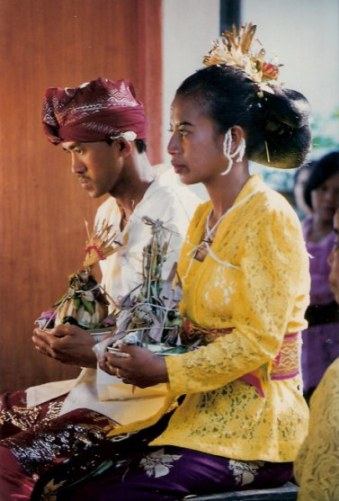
{"type": "Point", "coordinates": [127, 468]}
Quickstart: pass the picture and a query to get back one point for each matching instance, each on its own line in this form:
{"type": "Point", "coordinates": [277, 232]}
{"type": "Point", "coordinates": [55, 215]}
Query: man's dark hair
{"type": "Point", "coordinates": [140, 144]}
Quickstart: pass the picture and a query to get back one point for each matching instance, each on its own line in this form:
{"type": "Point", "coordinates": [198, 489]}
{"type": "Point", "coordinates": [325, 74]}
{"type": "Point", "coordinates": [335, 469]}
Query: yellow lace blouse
{"type": "Point", "coordinates": [256, 281]}
{"type": "Point", "coordinates": [317, 466]}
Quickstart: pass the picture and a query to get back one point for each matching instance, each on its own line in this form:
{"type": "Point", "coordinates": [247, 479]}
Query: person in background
{"type": "Point", "coordinates": [235, 416]}
{"type": "Point", "coordinates": [300, 179]}
{"type": "Point", "coordinates": [316, 468]}
{"type": "Point", "coordinates": [334, 259]}
{"type": "Point", "coordinates": [102, 127]}
{"type": "Point", "coordinates": [321, 338]}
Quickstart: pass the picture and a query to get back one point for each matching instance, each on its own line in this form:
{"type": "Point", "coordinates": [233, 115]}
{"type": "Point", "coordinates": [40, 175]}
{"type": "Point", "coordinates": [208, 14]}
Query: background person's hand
{"type": "Point", "coordinates": [68, 344]}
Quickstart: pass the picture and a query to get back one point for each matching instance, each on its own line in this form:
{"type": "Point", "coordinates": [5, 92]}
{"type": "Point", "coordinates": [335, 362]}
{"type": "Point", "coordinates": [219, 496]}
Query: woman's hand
{"type": "Point", "coordinates": [140, 367]}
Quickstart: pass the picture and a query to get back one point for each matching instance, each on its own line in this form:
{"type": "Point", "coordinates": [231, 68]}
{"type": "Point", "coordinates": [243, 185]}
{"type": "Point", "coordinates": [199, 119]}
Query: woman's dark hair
{"type": "Point", "coordinates": [276, 123]}
{"type": "Point", "coordinates": [324, 168]}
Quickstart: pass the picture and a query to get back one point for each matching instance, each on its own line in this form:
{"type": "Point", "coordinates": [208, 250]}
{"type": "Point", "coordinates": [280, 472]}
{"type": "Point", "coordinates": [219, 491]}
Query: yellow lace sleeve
{"type": "Point", "coordinates": [317, 465]}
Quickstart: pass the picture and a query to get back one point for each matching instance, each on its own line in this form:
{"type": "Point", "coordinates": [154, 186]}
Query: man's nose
{"type": "Point", "coordinates": [77, 166]}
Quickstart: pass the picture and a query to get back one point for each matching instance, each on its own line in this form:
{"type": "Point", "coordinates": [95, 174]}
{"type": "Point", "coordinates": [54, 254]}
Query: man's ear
{"type": "Point", "coordinates": [124, 146]}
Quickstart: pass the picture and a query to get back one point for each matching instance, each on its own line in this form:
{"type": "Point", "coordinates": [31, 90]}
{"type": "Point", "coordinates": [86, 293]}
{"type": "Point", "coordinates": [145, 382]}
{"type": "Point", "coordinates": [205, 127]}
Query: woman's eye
{"type": "Point", "coordinates": [183, 132]}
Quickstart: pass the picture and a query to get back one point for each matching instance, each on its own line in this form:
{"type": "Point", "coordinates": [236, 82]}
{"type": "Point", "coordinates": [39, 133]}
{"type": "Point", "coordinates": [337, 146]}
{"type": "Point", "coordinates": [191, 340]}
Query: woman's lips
{"type": "Point", "coordinates": [179, 168]}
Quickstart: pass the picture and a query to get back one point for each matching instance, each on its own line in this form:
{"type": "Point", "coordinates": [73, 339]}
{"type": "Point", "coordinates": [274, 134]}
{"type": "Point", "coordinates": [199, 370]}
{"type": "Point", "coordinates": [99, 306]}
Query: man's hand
{"type": "Point", "coordinates": [68, 344]}
{"type": "Point", "coordinates": [140, 367]}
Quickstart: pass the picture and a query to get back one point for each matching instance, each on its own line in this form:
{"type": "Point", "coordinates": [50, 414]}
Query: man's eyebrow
{"type": "Point", "coordinates": [70, 147]}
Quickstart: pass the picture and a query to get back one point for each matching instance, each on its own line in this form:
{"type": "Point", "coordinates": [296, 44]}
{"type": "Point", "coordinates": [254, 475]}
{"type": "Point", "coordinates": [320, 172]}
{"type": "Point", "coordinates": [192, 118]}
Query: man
{"type": "Point", "coordinates": [317, 465]}
{"type": "Point", "coordinates": [102, 126]}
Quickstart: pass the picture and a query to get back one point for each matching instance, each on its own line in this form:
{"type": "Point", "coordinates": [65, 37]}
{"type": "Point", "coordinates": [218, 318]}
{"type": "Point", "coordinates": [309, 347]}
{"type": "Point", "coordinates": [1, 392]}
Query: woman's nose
{"type": "Point", "coordinates": [173, 145]}
{"type": "Point", "coordinates": [333, 196]}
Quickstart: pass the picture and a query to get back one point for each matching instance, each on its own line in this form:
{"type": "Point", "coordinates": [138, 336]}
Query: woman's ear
{"type": "Point", "coordinates": [234, 147]}
{"type": "Point", "coordinates": [238, 135]}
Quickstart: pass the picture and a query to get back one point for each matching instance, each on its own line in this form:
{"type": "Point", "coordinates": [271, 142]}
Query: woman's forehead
{"type": "Point", "coordinates": [188, 108]}
{"type": "Point", "coordinates": [336, 220]}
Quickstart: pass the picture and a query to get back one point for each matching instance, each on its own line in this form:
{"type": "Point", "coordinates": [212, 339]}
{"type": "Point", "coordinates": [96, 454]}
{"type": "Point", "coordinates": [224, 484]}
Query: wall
{"type": "Point", "coordinates": [189, 27]}
{"type": "Point", "coordinates": [304, 36]}
{"type": "Point", "coordinates": [47, 43]}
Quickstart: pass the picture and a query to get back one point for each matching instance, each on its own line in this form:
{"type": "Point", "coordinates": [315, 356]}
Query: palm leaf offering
{"type": "Point", "coordinates": [150, 317]}
{"type": "Point", "coordinates": [86, 302]}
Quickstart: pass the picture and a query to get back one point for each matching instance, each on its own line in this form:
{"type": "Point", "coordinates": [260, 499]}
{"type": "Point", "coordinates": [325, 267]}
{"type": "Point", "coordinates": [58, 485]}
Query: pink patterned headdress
{"type": "Point", "coordinates": [94, 111]}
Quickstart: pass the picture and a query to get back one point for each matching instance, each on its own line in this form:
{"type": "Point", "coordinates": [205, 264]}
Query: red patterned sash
{"type": "Point", "coordinates": [284, 366]}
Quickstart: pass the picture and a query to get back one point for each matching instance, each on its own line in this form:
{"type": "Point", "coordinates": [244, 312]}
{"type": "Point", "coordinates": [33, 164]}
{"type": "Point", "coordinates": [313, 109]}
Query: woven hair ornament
{"type": "Point", "coordinates": [235, 49]}
{"type": "Point", "coordinates": [85, 303]}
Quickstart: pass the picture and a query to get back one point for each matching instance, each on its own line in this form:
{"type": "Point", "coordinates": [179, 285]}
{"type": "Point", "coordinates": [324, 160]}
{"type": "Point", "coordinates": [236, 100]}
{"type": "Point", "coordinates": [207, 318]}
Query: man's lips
{"type": "Point", "coordinates": [84, 181]}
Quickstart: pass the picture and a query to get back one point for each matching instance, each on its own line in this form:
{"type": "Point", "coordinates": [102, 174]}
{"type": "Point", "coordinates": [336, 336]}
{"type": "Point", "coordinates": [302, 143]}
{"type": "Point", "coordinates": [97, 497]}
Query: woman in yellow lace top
{"type": "Point", "coordinates": [235, 416]}
{"type": "Point", "coordinates": [317, 466]}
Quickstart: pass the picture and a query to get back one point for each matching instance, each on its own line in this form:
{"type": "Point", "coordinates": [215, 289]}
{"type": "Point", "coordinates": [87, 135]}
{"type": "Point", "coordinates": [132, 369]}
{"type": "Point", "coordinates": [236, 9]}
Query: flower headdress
{"type": "Point", "coordinates": [234, 49]}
